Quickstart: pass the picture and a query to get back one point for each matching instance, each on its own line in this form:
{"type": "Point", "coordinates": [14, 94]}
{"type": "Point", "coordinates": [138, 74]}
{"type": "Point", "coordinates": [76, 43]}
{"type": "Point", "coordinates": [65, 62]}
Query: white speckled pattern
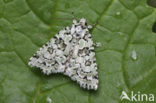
{"type": "Point", "coordinates": [70, 52]}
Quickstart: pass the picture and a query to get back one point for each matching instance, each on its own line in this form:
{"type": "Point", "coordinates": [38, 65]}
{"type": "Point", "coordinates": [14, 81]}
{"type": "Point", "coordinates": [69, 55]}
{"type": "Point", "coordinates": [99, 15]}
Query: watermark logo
{"type": "Point", "coordinates": [124, 96]}
{"type": "Point", "coordinates": [137, 96]}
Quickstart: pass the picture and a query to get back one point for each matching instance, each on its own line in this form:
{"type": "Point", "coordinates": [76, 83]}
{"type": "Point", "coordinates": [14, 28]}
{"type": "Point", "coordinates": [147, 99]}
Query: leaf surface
{"type": "Point", "coordinates": [25, 25]}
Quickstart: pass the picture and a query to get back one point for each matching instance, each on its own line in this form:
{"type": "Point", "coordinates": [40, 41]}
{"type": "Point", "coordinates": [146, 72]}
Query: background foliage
{"type": "Point", "coordinates": [25, 25]}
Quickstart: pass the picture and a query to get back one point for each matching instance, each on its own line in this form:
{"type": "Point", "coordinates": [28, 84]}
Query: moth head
{"type": "Point", "coordinates": [80, 28]}
{"type": "Point", "coordinates": [85, 24]}
{"type": "Point", "coordinates": [82, 21]}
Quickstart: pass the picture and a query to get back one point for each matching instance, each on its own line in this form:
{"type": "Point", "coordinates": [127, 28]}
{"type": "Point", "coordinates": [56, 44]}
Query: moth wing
{"type": "Point", "coordinates": [50, 58]}
{"type": "Point", "coordinates": [82, 66]}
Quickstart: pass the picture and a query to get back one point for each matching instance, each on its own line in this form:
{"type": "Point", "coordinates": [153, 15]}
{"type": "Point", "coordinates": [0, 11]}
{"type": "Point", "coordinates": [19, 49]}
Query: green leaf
{"type": "Point", "coordinates": [25, 25]}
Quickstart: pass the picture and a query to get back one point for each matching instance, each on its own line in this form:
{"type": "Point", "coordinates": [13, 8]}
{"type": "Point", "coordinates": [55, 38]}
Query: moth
{"type": "Point", "coordinates": [70, 52]}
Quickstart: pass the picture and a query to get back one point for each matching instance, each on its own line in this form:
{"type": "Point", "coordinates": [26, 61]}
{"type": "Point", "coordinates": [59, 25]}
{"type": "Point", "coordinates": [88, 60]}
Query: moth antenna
{"type": "Point", "coordinates": [64, 18]}
{"type": "Point", "coordinates": [94, 26]}
{"type": "Point", "coordinates": [99, 29]}
{"type": "Point", "coordinates": [73, 15]}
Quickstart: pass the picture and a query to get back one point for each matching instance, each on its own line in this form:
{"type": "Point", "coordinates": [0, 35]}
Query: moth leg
{"type": "Point", "coordinates": [97, 44]}
{"type": "Point", "coordinates": [94, 26]}
{"type": "Point", "coordinates": [90, 26]}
